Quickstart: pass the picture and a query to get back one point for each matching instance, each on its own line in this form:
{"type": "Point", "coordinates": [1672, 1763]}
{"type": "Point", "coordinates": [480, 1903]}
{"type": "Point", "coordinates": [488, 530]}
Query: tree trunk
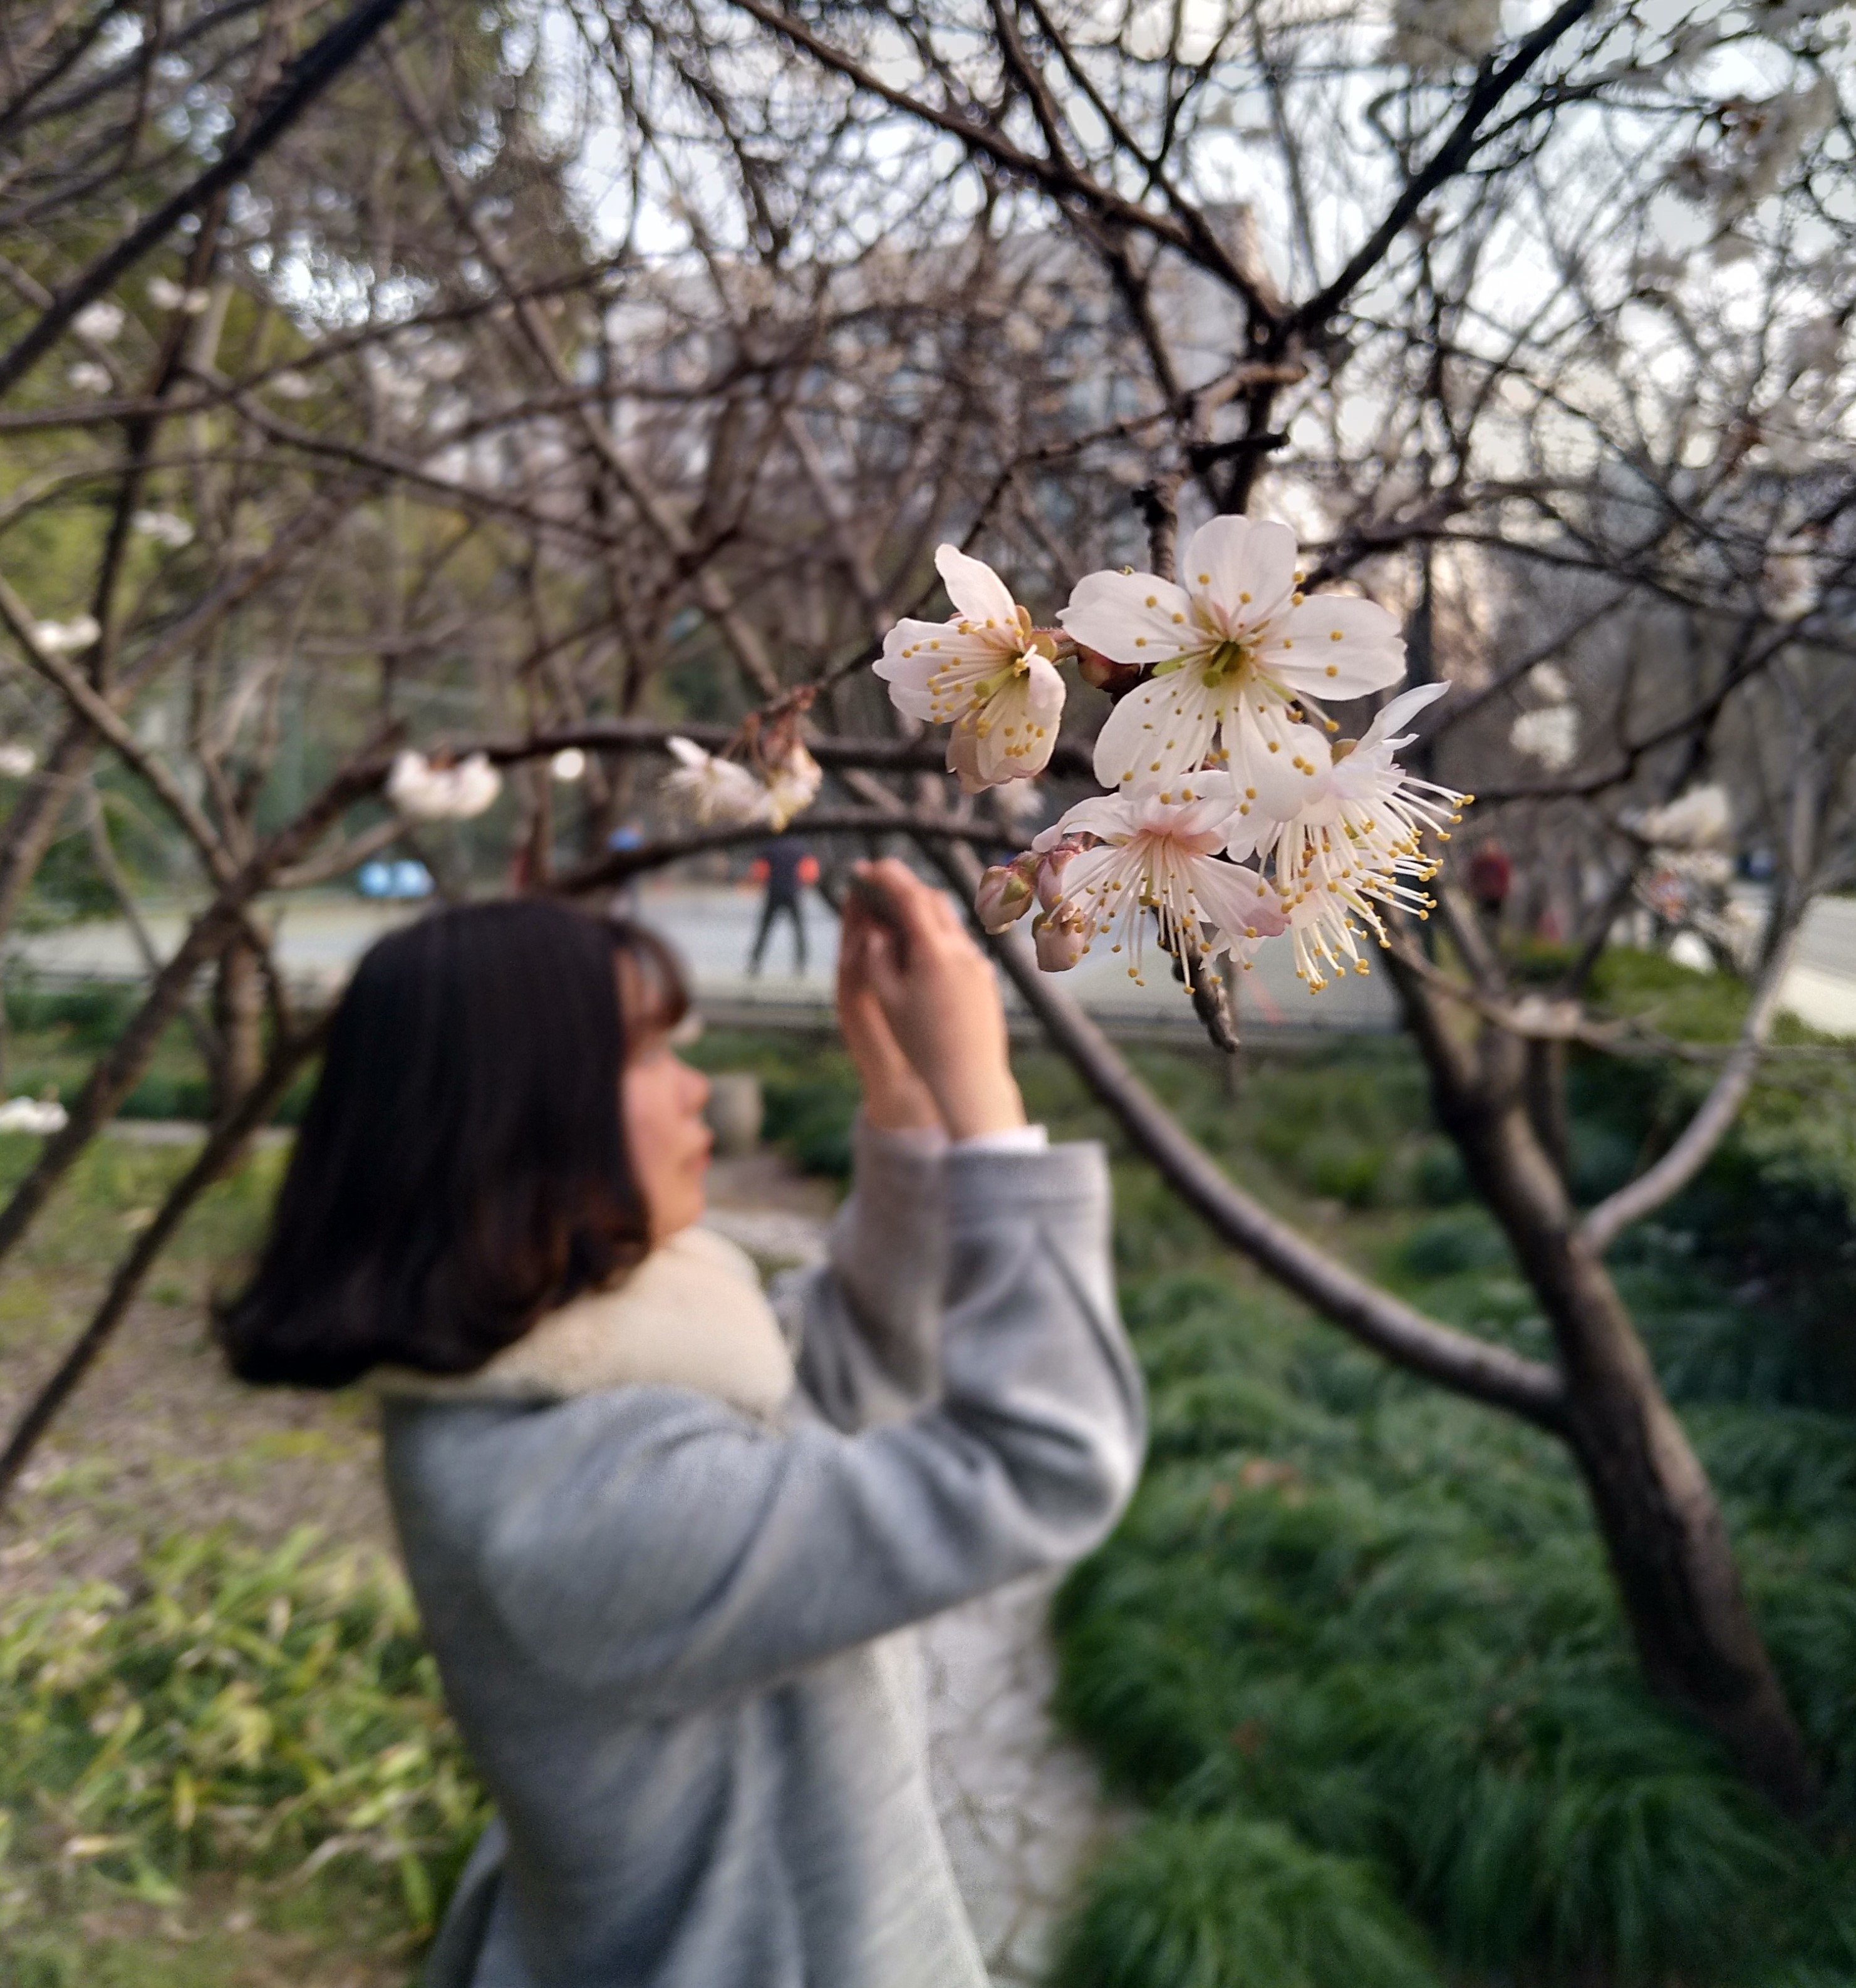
{"type": "Point", "coordinates": [238, 1006]}
{"type": "Point", "coordinates": [1656, 1511]}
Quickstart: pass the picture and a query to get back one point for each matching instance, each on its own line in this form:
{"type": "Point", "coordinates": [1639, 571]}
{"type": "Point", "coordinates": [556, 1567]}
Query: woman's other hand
{"type": "Point", "coordinates": [895, 1098]}
{"type": "Point", "coordinates": [923, 997]}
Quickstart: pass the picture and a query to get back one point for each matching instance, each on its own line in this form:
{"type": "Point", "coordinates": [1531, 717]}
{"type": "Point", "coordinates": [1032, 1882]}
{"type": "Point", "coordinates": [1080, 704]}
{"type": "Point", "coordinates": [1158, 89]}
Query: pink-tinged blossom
{"type": "Point", "coordinates": [987, 672]}
{"type": "Point", "coordinates": [1160, 851]}
{"type": "Point", "coordinates": [1342, 827]}
{"type": "Point", "coordinates": [1061, 936]}
{"type": "Point", "coordinates": [1236, 654]}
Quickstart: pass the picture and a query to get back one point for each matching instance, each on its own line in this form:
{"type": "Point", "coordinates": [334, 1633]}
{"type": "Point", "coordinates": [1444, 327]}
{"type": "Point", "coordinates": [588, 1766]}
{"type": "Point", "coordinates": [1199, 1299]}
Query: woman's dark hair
{"type": "Point", "coordinates": [461, 1169]}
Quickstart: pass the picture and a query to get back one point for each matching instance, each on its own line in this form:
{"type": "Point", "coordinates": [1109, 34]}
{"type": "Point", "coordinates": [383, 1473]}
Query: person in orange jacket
{"type": "Point", "coordinates": [785, 866]}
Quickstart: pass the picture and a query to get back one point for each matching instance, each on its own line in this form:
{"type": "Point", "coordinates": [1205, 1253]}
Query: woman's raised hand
{"type": "Point", "coordinates": [920, 1012]}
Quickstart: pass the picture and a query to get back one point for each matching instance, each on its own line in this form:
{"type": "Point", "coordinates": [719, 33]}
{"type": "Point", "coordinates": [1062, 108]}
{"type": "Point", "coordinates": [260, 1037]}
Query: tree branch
{"type": "Point", "coordinates": [1711, 1124]}
{"type": "Point", "coordinates": [1397, 1331]}
{"type": "Point", "coordinates": [301, 82]}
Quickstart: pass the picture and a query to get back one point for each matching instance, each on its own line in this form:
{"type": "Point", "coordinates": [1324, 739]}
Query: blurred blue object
{"type": "Point", "coordinates": [400, 880]}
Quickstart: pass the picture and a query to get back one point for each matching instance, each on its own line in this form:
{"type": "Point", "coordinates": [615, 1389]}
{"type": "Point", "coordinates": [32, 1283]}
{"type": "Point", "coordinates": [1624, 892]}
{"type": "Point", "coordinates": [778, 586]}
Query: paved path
{"type": "Point", "coordinates": [1020, 1806]}
{"type": "Point", "coordinates": [712, 926]}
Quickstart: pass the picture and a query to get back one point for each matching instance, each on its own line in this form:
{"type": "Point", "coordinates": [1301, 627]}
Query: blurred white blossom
{"type": "Point", "coordinates": [167, 295]}
{"type": "Point", "coordinates": [1550, 735]}
{"type": "Point", "coordinates": [87, 376]}
{"type": "Point", "coordinates": [164, 527]}
{"type": "Point", "coordinates": [1701, 819]}
{"type": "Point", "coordinates": [58, 638]}
{"type": "Point", "coordinates": [423, 792]}
{"type": "Point", "coordinates": [100, 320]}
{"type": "Point", "coordinates": [713, 790]}
{"type": "Point", "coordinates": [17, 759]}
{"type": "Point", "coordinates": [42, 1115]}
{"type": "Point", "coordinates": [793, 781]}
{"type": "Point", "coordinates": [568, 765]}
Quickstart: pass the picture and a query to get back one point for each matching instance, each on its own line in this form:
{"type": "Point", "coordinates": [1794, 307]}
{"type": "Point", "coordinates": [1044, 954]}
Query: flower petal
{"type": "Point", "coordinates": [1162, 728]}
{"type": "Point", "coordinates": [977, 593]}
{"type": "Point", "coordinates": [1108, 816]}
{"type": "Point", "coordinates": [922, 662]}
{"type": "Point", "coordinates": [1237, 901]}
{"type": "Point", "coordinates": [1130, 617]}
{"type": "Point", "coordinates": [1018, 727]}
{"type": "Point", "coordinates": [1334, 646]}
{"type": "Point", "coordinates": [963, 754]}
{"type": "Point", "coordinates": [1405, 706]}
{"type": "Point", "coordinates": [1244, 572]}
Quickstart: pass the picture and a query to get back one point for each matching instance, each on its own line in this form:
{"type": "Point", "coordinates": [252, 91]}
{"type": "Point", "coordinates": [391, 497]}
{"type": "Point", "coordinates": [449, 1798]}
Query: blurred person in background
{"type": "Point", "coordinates": [785, 866]}
{"type": "Point", "coordinates": [661, 1531]}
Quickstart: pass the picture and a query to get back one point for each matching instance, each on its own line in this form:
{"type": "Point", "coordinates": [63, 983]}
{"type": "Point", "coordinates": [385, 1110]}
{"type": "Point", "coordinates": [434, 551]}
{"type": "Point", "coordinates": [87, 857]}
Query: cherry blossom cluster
{"type": "Point", "coordinates": [766, 776]}
{"type": "Point", "coordinates": [1233, 815]}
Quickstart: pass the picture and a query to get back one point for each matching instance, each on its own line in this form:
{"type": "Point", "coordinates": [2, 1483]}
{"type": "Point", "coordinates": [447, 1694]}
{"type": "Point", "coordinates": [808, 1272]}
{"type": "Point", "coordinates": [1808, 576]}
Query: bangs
{"type": "Point", "coordinates": [654, 997]}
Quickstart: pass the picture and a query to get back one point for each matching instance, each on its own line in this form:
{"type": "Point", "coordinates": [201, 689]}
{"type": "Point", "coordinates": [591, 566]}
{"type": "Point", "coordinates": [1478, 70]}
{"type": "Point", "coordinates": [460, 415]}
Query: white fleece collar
{"type": "Point", "coordinates": [691, 1315]}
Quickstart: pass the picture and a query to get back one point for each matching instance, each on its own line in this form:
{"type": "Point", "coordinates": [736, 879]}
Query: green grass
{"type": "Point", "coordinates": [273, 1717]}
{"type": "Point", "coordinates": [1351, 1618]}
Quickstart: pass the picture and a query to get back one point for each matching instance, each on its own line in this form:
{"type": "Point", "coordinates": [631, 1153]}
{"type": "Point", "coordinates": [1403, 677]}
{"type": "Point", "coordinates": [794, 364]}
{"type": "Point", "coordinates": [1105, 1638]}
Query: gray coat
{"type": "Point", "coordinates": [666, 1630]}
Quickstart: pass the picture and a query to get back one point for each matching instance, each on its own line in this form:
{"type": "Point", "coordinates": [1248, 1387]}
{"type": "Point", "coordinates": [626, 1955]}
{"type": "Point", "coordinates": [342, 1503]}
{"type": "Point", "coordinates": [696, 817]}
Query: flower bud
{"type": "Point", "coordinates": [1059, 935]}
{"type": "Point", "coordinates": [1005, 893]}
{"type": "Point", "coordinates": [1104, 673]}
{"type": "Point", "coordinates": [1050, 866]}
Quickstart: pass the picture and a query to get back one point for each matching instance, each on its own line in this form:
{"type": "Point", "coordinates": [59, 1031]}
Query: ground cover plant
{"type": "Point", "coordinates": [1356, 1647]}
{"type": "Point", "coordinates": [243, 1714]}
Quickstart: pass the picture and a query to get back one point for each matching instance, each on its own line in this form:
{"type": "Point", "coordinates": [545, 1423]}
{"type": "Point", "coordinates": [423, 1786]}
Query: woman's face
{"type": "Point", "coordinates": [660, 1103]}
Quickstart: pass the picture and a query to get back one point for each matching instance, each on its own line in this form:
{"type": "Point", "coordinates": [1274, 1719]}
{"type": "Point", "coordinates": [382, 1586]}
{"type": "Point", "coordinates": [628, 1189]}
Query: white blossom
{"type": "Point", "coordinates": [42, 1115]}
{"type": "Point", "coordinates": [1701, 819]}
{"type": "Point", "coordinates": [1237, 654]}
{"type": "Point", "coordinates": [569, 764]}
{"type": "Point", "coordinates": [101, 321]}
{"type": "Point", "coordinates": [1550, 735]}
{"type": "Point", "coordinates": [17, 759]}
{"type": "Point", "coordinates": [164, 527]}
{"type": "Point", "coordinates": [1342, 827]}
{"type": "Point", "coordinates": [167, 295]}
{"type": "Point", "coordinates": [793, 781]}
{"type": "Point", "coordinates": [291, 385]}
{"type": "Point", "coordinates": [87, 376]}
{"type": "Point", "coordinates": [1162, 852]}
{"type": "Point", "coordinates": [58, 638]}
{"type": "Point", "coordinates": [714, 789]}
{"type": "Point", "coordinates": [987, 672]}
{"type": "Point", "coordinates": [423, 792]}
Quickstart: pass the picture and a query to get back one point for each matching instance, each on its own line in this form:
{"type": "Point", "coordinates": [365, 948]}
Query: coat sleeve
{"type": "Point", "coordinates": [866, 1324]}
{"type": "Point", "coordinates": [651, 1541]}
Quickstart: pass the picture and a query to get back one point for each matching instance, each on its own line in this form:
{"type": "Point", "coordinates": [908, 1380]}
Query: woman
{"type": "Point", "coordinates": [660, 1536]}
